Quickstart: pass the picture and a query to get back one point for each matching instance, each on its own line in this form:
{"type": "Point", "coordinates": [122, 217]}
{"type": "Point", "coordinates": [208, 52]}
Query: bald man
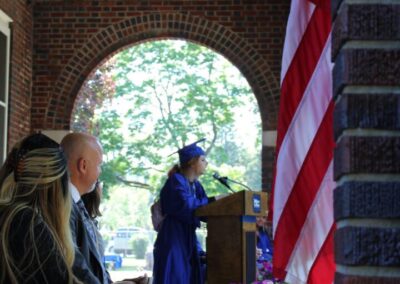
{"type": "Point", "coordinates": [84, 156]}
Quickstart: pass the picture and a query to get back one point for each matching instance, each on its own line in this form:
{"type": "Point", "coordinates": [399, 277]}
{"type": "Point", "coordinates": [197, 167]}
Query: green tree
{"type": "Point", "coordinates": [167, 94]}
{"type": "Point", "coordinates": [126, 207]}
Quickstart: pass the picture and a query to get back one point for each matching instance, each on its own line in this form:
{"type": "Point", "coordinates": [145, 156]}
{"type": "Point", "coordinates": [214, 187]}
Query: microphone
{"type": "Point", "coordinates": [223, 180]}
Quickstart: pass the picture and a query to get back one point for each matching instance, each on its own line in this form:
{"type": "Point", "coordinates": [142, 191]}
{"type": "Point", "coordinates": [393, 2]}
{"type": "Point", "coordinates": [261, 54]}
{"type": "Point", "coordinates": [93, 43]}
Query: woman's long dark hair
{"type": "Point", "coordinates": [92, 202]}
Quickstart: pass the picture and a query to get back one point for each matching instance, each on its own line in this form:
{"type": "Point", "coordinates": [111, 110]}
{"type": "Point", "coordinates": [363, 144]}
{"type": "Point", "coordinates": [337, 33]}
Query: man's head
{"type": "Point", "coordinates": [84, 155]}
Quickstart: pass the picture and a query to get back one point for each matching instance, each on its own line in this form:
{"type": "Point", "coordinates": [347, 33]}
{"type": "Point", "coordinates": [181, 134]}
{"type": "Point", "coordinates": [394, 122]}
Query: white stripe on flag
{"type": "Point", "coordinates": [300, 14]}
{"type": "Point", "coordinates": [314, 232]}
{"type": "Point", "coordinates": [302, 130]}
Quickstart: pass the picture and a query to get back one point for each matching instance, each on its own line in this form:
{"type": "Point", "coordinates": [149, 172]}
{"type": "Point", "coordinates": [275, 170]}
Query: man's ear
{"type": "Point", "coordinates": [82, 165]}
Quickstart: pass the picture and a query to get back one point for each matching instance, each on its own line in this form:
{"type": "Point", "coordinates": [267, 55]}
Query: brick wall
{"type": "Point", "coordinates": [57, 43]}
{"type": "Point", "coordinates": [20, 68]}
{"type": "Point", "coordinates": [366, 52]}
{"type": "Point", "coordinates": [71, 38]}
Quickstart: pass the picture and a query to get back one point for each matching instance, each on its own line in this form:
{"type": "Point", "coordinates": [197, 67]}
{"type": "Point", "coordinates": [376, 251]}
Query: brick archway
{"type": "Point", "coordinates": [111, 39]}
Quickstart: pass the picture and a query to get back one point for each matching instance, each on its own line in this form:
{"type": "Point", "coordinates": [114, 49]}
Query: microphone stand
{"type": "Point", "coordinates": [228, 187]}
{"type": "Point", "coordinates": [239, 183]}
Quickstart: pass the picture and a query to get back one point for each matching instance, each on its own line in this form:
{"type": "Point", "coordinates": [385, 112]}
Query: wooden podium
{"type": "Point", "coordinates": [231, 237]}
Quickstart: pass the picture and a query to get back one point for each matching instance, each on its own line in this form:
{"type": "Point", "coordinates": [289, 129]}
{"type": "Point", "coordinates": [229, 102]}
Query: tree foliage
{"type": "Point", "coordinates": [98, 88]}
{"type": "Point", "coordinates": [156, 97]}
{"type": "Point", "coordinates": [188, 96]}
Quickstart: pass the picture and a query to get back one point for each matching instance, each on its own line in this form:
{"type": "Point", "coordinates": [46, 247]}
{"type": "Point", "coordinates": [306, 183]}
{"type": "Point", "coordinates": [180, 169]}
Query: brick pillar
{"type": "Point", "coordinates": [366, 76]}
{"type": "Point", "coordinates": [268, 159]}
{"type": "Point", "coordinates": [267, 167]}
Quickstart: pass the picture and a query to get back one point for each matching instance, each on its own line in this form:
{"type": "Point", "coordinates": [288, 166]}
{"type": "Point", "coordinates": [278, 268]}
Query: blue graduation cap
{"type": "Point", "coordinates": [190, 151]}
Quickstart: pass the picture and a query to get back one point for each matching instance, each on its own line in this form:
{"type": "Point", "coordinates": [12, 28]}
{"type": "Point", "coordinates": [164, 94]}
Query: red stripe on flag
{"type": "Point", "coordinates": [301, 69]}
{"type": "Point", "coordinates": [303, 194]}
{"type": "Point", "coordinates": [323, 270]}
{"type": "Point", "coordinates": [298, 76]}
{"type": "Point", "coordinates": [311, 163]}
{"type": "Point", "coordinates": [323, 4]}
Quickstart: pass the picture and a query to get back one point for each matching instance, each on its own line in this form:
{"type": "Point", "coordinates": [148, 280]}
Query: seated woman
{"type": "Point", "coordinates": [92, 201]}
{"type": "Point", "coordinates": [35, 204]}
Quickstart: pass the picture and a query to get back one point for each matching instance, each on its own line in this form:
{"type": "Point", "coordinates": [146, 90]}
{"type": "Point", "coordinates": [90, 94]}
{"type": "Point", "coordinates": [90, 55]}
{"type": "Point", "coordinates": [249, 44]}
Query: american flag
{"type": "Point", "coordinates": [302, 196]}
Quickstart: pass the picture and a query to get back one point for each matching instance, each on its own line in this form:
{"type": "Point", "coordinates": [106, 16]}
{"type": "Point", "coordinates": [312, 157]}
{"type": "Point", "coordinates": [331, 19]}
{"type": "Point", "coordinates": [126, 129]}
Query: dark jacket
{"type": "Point", "coordinates": [47, 266]}
{"type": "Point", "coordinates": [88, 263]}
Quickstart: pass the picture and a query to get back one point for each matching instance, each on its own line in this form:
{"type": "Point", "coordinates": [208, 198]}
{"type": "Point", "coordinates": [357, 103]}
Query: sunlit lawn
{"type": "Point", "coordinates": [131, 267]}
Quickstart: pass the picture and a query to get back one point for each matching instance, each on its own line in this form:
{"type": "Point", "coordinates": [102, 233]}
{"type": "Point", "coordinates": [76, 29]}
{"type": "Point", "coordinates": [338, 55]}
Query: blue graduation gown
{"type": "Point", "coordinates": [176, 251]}
{"type": "Point", "coordinates": [264, 244]}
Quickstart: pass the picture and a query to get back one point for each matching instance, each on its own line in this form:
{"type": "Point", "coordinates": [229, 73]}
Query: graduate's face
{"type": "Point", "coordinates": [261, 221]}
{"type": "Point", "coordinates": [201, 165]}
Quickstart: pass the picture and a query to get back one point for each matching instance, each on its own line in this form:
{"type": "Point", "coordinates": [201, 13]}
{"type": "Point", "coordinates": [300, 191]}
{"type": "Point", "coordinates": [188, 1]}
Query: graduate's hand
{"type": "Point", "coordinates": [258, 253]}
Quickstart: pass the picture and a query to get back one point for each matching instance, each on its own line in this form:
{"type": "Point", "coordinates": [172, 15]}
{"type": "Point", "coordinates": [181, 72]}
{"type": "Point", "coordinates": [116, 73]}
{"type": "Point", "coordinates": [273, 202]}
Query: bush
{"type": "Point", "coordinates": [139, 246]}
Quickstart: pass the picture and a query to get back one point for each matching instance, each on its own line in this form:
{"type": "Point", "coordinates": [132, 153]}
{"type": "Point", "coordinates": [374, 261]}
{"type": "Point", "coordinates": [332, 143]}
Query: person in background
{"type": "Point", "coordinates": [264, 252]}
{"type": "Point", "coordinates": [92, 204]}
{"type": "Point", "coordinates": [176, 249]}
{"type": "Point", "coordinates": [263, 241]}
{"type": "Point", "coordinates": [35, 205]}
{"type": "Point", "coordinates": [92, 201]}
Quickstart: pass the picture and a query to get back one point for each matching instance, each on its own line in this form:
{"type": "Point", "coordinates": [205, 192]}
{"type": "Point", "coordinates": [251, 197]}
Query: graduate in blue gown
{"type": "Point", "coordinates": [176, 250]}
{"type": "Point", "coordinates": [264, 252]}
{"type": "Point", "coordinates": [263, 241]}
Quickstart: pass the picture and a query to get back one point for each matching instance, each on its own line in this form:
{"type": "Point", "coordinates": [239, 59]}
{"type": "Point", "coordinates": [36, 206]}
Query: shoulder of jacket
{"type": "Point", "coordinates": [177, 177]}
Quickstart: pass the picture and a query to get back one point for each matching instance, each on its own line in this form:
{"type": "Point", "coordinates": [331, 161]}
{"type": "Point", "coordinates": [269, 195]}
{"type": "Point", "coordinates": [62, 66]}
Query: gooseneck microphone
{"type": "Point", "coordinates": [224, 181]}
